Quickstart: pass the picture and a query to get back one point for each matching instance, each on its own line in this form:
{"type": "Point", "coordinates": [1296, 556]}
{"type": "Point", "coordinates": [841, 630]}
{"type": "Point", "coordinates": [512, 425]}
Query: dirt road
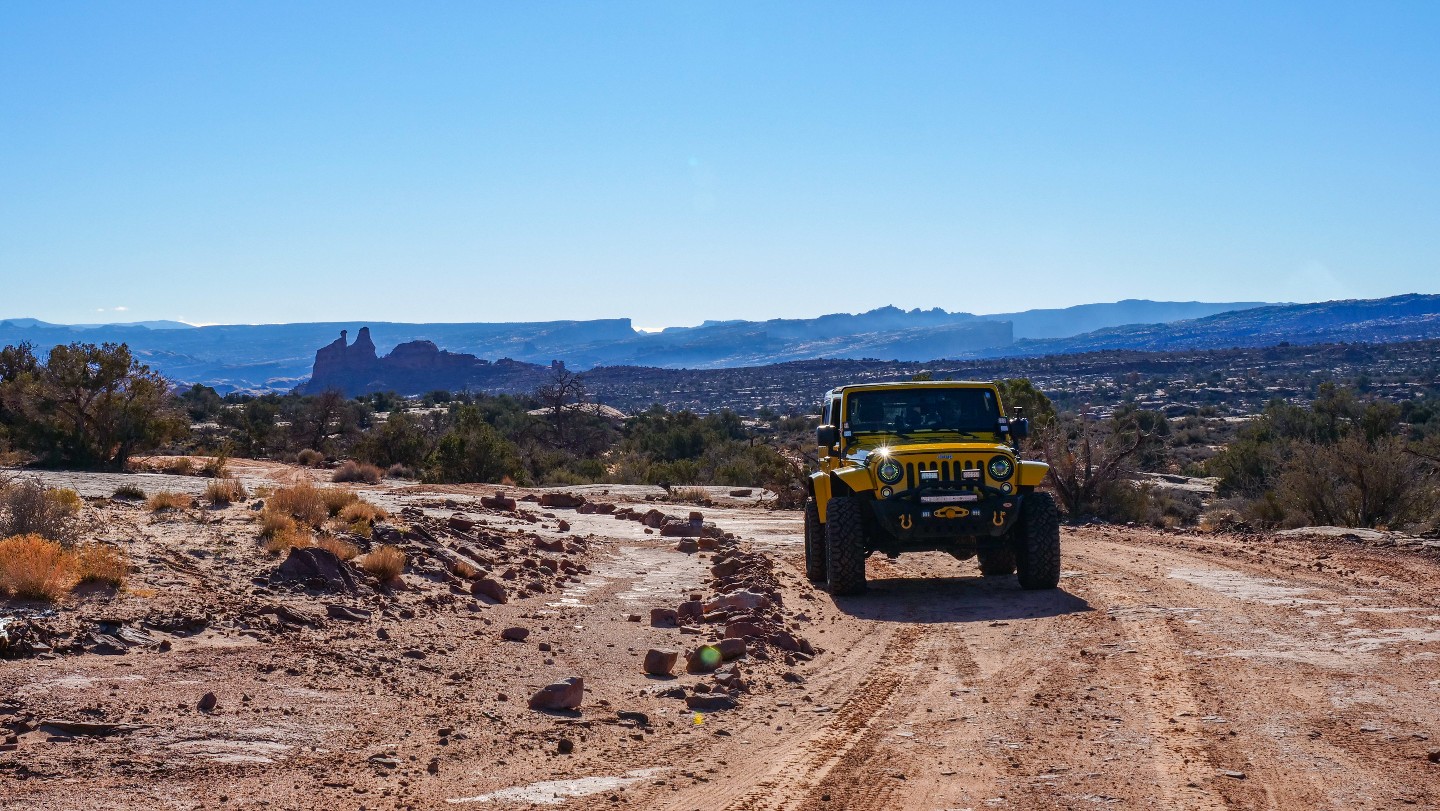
{"type": "Point", "coordinates": [1169, 671]}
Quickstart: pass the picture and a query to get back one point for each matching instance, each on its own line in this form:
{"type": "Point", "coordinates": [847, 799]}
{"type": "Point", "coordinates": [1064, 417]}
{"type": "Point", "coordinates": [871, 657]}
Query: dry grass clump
{"type": "Point", "coordinates": [292, 536]}
{"type": "Point", "coordinates": [166, 500]}
{"type": "Point", "coordinates": [33, 568]}
{"type": "Point", "coordinates": [690, 495]}
{"type": "Point", "coordinates": [216, 467]}
{"type": "Point", "coordinates": [100, 563]}
{"type": "Point", "coordinates": [310, 458]}
{"type": "Point", "coordinates": [176, 466]}
{"type": "Point", "coordinates": [27, 508]}
{"type": "Point", "coordinates": [339, 547]}
{"type": "Point", "coordinates": [272, 523]}
{"type": "Point", "coordinates": [362, 511]}
{"type": "Point", "coordinates": [301, 501]}
{"type": "Point", "coordinates": [336, 500]}
{"type": "Point", "coordinates": [65, 500]}
{"type": "Point", "coordinates": [129, 492]}
{"type": "Point", "coordinates": [385, 562]}
{"type": "Point", "coordinates": [352, 471]}
{"type": "Point", "coordinates": [224, 492]}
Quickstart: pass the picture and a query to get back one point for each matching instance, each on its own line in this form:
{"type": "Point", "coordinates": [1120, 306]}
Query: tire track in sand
{"type": "Point", "coordinates": [847, 742]}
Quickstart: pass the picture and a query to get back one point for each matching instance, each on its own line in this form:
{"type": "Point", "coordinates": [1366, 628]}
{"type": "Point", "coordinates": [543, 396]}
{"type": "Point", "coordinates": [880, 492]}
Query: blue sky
{"type": "Point", "coordinates": [671, 162]}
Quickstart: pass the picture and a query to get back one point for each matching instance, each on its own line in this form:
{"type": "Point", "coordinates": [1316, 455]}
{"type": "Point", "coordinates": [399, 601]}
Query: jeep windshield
{"type": "Point", "coordinates": [917, 410]}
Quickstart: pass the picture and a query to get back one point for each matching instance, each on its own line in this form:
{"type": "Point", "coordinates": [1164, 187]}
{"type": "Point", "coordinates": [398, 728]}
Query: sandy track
{"type": "Point", "coordinates": [1169, 671]}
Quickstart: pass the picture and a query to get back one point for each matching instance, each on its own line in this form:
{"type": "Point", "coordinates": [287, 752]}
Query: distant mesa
{"type": "Point", "coordinates": [414, 367]}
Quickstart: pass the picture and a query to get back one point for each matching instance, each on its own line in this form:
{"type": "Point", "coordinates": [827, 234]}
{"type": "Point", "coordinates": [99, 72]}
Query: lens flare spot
{"type": "Point", "coordinates": [699, 719]}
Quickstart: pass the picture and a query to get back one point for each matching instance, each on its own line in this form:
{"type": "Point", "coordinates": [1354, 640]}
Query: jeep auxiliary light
{"type": "Point", "coordinates": [1001, 467]}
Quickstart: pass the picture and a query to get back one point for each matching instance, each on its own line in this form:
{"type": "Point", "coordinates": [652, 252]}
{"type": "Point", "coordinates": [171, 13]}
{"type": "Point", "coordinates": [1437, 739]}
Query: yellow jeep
{"type": "Point", "coordinates": [914, 467]}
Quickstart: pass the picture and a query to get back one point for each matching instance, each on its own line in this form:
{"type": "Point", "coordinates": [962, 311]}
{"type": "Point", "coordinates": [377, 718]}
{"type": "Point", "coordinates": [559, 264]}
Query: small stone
{"type": "Point", "coordinates": [515, 633]}
{"type": "Point", "coordinates": [561, 695]}
{"type": "Point", "coordinates": [566, 746]}
{"type": "Point", "coordinates": [663, 617]}
{"type": "Point", "coordinates": [433, 766]}
{"type": "Point", "coordinates": [208, 703]}
{"type": "Point", "coordinates": [710, 703]}
{"type": "Point", "coordinates": [1232, 773]}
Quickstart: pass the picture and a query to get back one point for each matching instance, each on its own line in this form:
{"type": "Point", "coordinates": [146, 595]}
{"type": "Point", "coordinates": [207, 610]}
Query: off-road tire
{"type": "Point", "coordinates": [814, 543]}
{"type": "Point", "coordinates": [844, 546]}
{"type": "Point", "coordinates": [1036, 541]}
{"type": "Point", "coordinates": [996, 560]}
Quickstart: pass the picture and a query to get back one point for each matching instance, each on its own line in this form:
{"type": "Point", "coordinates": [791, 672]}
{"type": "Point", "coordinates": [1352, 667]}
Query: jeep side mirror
{"type": "Point", "coordinates": [1020, 429]}
{"type": "Point", "coordinates": [827, 435]}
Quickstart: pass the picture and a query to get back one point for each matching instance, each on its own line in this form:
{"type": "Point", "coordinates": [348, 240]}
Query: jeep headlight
{"type": "Point", "coordinates": [889, 471]}
{"type": "Point", "coordinates": [1001, 467]}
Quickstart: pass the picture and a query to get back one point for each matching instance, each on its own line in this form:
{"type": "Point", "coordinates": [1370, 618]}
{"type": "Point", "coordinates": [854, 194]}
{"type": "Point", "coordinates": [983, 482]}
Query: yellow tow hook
{"type": "Point", "coordinates": [905, 522]}
{"type": "Point", "coordinates": [998, 519]}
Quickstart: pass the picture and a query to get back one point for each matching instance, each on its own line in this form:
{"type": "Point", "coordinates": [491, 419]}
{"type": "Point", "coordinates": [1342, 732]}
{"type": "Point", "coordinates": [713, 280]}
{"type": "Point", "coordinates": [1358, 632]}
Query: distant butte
{"type": "Point", "coordinates": [414, 367]}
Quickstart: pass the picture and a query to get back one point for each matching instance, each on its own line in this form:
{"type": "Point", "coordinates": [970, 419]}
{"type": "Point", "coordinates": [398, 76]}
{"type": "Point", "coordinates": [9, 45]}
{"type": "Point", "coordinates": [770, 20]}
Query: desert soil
{"type": "Point", "coordinates": [1170, 670]}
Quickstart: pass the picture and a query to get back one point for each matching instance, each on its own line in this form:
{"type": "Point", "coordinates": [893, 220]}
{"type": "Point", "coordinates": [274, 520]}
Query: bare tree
{"type": "Point", "coordinates": [1086, 460]}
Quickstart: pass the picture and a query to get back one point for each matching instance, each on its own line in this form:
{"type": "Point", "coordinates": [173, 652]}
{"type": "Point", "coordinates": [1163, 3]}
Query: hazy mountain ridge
{"type": "Point", "coordinates": [280, 356]}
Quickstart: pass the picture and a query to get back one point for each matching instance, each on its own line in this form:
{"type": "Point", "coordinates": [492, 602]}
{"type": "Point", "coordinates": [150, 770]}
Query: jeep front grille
{"type": "Point", "coordinates": [948, 472]}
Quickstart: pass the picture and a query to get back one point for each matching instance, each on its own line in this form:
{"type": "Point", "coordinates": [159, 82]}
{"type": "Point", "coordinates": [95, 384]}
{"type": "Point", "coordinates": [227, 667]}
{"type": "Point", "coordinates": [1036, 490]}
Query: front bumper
{"type": "Point", "coordinates": [947, 510]}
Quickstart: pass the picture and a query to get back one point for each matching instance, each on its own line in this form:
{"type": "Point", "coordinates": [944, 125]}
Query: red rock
{"type": "Point", "coordinates": [563, 526]}
{"type": "Point", "coordinates": [731, 648]}
{"type": "Point", "coordinates": [654, 519]}
{"type": "Point", "coordinates": [550, 544]}
{"type": "Point", "coordinates": [460, 523]}
{"type": "Point", "coordinates": [515, 633]}
{"type": "Point", "coordinates": [739, 600]}
{"type": "Point", "coordinates": [661, 661]}
{"type": "Point", "coordinates": [498, 502]}
{"type": "Point", "coordinates": [663, 617]}
{"type": "Point", "coordinates": [679, 529]}
{"type": "Point", "coordinates": [745, 629]}
{"type": "Point", "coordinates": [703, 659]}
{"type": "Point", "coordinates": [485, 587]}
{"type": "Point", "coordinates": [568, 501]}
{"type": "Point", "coordinates": [690, 611]}
{"type": "Point", "coordinates": [687, 546]}
{"type": "Point", "coordinates": [784, 640]}
{"type": "Point", "coordinates": [562, 695]}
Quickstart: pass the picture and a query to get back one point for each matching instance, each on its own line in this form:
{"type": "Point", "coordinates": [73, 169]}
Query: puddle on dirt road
{"type": "Point", "coordinates": [556, 792]}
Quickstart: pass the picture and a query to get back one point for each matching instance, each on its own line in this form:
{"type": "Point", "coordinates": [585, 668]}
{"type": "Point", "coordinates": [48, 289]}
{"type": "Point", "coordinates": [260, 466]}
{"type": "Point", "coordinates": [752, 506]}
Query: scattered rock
{"type": "Point", "coordinates": [661, 661]}
{"type": "Point", "coordinates": [568, 501]}
{"type": "Point", "coordinates": [346, 613]}
{"type": "Point", "coordinates": [208, 703]}
{"type": "Point", "coordinates": [741, 493]}
{"type": "Point", "coordinates": [485, 587]}
{"type": "Point", "coordinates": [317, 568]}
{"type": "Point", "coordinates": [731, 648]}
{"type": "Point", "coordinates": [704, 659]}
{"type": "Point", "coordinates": [663, 617]}
{"type": "Point", "coordinates": [565, 746]}
{"type": "Point", "coordinates": [688, 546]}
{"type": "Point", "coordinates": [499, 501]}
{"type": "Point", "coordinates": [713, 702]}
{"type": "Point", "coordinates": [515, 633]}
{"type": "Point", "coordinates": [562, 695]}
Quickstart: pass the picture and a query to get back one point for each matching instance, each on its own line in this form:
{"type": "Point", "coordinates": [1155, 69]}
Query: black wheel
{"type": "Point", "coordinates": [1037, 542]}
{"type": "Point", "coordinates": [844, 546]}
{"type": "Point", "coordinates": [814, 543]}
{"type": "Point", "coordinates": [996, 559]}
